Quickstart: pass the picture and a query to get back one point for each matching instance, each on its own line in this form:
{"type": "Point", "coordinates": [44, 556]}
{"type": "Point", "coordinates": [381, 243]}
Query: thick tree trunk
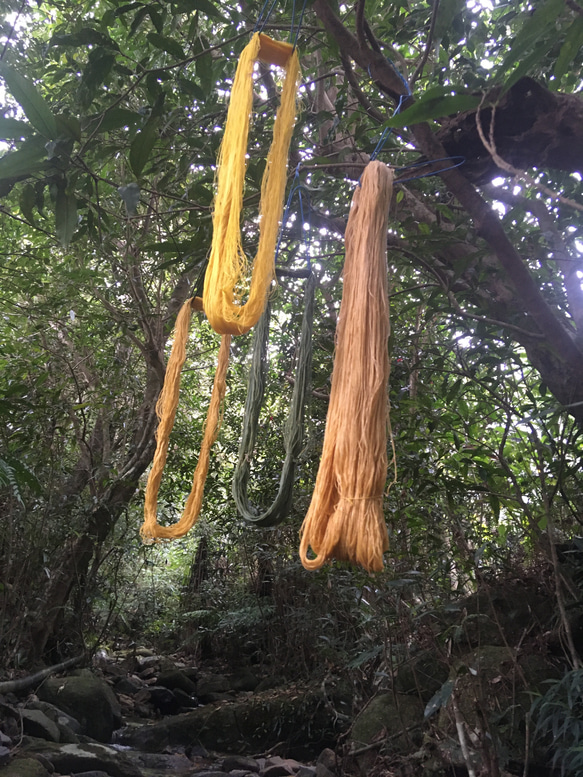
{"type": "Point", "coordinates": [533, 127]}
{"type": "Point", "coordinates": [69, 569]}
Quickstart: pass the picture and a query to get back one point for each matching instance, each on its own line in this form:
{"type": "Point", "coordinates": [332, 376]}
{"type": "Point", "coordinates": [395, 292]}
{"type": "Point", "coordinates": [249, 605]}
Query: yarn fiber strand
{"type": "Point", "coordinates": [293, 435]}
{"type": "Point", "coordinates": [226, 283]}
{"type": "Point", "coordinates": [166, 411]}
{"type": "Point", "coordinates": [345, 519]}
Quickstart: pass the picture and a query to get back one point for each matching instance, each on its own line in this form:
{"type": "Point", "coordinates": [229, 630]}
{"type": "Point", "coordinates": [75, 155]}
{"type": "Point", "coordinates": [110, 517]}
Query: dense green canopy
{"type": "Point", "coordinates": [112, 114]}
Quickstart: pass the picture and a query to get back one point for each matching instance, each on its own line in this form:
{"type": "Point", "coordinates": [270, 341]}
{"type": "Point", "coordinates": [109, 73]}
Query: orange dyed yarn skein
{"type": "Point", "coordinates": [345, 519]}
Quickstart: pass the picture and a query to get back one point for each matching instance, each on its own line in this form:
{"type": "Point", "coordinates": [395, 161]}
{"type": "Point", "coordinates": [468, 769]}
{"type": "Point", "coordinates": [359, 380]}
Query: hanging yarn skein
{"type": "Point", "coordinates": [293, 434]}
{"type": "Point", "coordinates": [226, 281]}
{"type": "Point", "coordinates": [166, 410]}
{"type": "Point", "coordinates": [345, 519]}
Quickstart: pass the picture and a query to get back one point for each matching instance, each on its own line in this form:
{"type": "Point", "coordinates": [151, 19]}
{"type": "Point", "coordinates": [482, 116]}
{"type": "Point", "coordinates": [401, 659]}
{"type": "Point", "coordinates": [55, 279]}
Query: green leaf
{"type": "Point", "coordinates": [68, 127]}
{"type": "Point", "coordinates": [156, 19]}
{"type": "Point", "coordinates": [446, 13]}
{"type": "Point", "coordinates": [495, 505]}
{"type": "Point", "coordinates": [138, 19]}
{"type": "Point", "coordinates": [24, 161]}
{"type": "Point", "coordinates": [204, 72]}
{"type": "Point", "coordinates": [205, 6]}
{"type": "Point", "coordinates": [434, 108]}
{"type": "Point", "coordinates": [191, 88]}
{"type": "Point", "coordinates": [98, 67]}
{"type": "Point", "coordinates": [112, 119]}
{"type": "Point", "coordinates": [12, 129]}
{"type": "Point", "coordinates": [26, 95]}
{"type": "Point", "coordinates": [570, 48]}
{"type": "Point", "coordinates": [65, 216]}
{"type": "Point", "coordinates": [439, 699]}
{"type": "Point", "coordinates": [526, 65]}
{"type": "Point", "coordinates": [87, 36]}
{"type": "Point", "coordinates": [123, 9]}
{"type": "Point", "coordinates": [533, 29]}
{"type": "Point", "coordinates": [142, 146]}
{"type": "Point", "coordinates": [27, 201]}
{"type": "Point", "coordinates": [169, 45]}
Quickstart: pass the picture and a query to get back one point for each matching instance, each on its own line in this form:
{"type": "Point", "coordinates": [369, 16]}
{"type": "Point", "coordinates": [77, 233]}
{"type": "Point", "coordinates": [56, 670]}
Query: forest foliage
{"type": "Point", "coordinates": [112, 115]}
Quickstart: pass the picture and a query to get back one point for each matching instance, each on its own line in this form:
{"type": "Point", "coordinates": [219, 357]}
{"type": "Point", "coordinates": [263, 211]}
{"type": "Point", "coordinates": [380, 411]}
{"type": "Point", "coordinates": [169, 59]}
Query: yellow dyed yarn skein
{"type": "Point", "coordinates": [226, 283]}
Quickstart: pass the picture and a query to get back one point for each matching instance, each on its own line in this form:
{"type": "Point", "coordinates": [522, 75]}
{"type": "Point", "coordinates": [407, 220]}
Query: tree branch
{"type": "Point", "coordinates": [485, 220]}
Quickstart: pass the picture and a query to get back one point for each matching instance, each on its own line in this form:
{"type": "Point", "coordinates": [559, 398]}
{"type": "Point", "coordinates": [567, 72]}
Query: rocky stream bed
{"type": "Point", "coordinates": [461, 709]}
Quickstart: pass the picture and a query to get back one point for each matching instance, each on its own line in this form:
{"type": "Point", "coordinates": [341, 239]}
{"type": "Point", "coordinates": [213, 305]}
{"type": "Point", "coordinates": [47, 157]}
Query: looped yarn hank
{"type": "Point", "coordinates": [294, 428]}
{"type": "Point", "coordinates": [345, 519]}
{"type": "Point", "coordinates": [226, 281]}
{"type": "Point", "coordinates": [166, 411]}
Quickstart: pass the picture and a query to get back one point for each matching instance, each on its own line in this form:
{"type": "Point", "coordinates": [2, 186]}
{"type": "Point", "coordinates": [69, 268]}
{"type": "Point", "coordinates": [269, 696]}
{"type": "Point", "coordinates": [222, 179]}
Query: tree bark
{"type": "Point", "coordinates": [70, 567]}
{"type": "Point", "coordinates": [533, 127]}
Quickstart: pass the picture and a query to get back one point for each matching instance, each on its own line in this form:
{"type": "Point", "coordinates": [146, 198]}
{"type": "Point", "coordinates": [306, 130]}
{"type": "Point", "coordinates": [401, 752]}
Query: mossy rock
{"type": "Point", "coordinates": [298, 716]}
{"type": "Point", "coordinates": [24, 767]}
{"type": "Point", "coordinates": [390, 713]}
{"type": "Point", "coordinates": [489, 681]}
{"type": "Point", "coordinates": [422, 675]}
{"type": "Point", "coordinates": [81, 757]}
{"type": "Point", "coordinates": [391, 719]}
{"type": "Point", "coordinates": [88, 699]}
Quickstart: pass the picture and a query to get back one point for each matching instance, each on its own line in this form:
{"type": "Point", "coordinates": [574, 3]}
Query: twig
{"type": "Point", "coordinates": [373, 112]}
{"type": "Point", "coordinates": [424, 58]}
{"type": "Point", "coordinates": [459, 724]}
{"type": "Point", "coordinates": [385, 740]}
{"type": "Point", "coordinates": [12, 29]}
{"type": "Point", "coordinates": [487, 320]}
{"type": "Point", "coordinates": [371, 38]}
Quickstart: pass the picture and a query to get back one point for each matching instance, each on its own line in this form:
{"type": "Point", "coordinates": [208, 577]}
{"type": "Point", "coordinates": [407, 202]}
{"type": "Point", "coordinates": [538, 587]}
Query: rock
{"type": "Point", "coordinates": [422, 674]}
{"type": "Point", "coordinates": [493, 676]}
{"type": "Point", "coordinates": [145, 652]}
{"type": "Point", "coordinates": [82, 757]}
{"type": "Point", "coordinates": [4, 755]}
{"type": "Point", "coordinates": [163, 700]}
{"type": "Point", "coordinates": [37, 724]}
{"type": "Point", "coordinates": [211, 684]}
{"type": "Point", "coordinates": [277, 770]}
{"type": "Point", "coordinates": [174, 679]}
{"type": "Point", "coordinates": [276, 766]}
{"type": "Point", "coordinates": [389, 715]}
{"type": "Point", "coordinates": [88, 699]}
{"type": "Point", "coordinates": [24, 767]}
{"type": "Point", "coordinates": [128, 686]}
{"type": "Point", "coordinates": [148, 661]}
{"type": "Point", "coordinates": [323, 771]}
{"type": "Point", "coordinates": [212, 773]}
{"type": "Point", "coordinates": [232, 762]}
{"type": "Point", "coordinates": [57, 715]}
{"type": "Point", "coordinates": [268, 683]}
{"type": "Point", "coordinates": [161, 763]}
{"type": "Point", "coordinates": [191, 672]}
{"type": "Point", "coordinates": [244, 680]}
{"type": "Point", "coordinates": [296, 715]}
{"type": "Point", "coordinates": [306, 771]}
{"type": "Point", "coordinates": [328, 759]}
{"type": "Point", "coordinates": [213, 698]}
{"type": "Point", "coordinates": [184, 700]}
{"type": "Point", "coordinates": [90, 774]}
